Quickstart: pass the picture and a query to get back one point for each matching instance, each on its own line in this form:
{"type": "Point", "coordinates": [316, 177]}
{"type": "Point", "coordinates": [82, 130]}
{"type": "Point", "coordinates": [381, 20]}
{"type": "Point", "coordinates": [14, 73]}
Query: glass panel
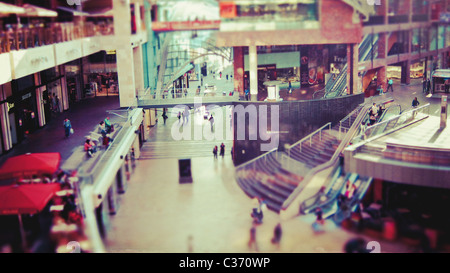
{"type": "Point", "coordinates": [415, 40]}
{"type": "Point", "coordinates": [441, 37]}
{"type": "Point", "coordinates": [433, 37]}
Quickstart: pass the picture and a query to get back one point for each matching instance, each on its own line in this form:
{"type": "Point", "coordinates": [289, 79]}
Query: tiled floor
{"type": "Point", "coordinates": [211, 215]}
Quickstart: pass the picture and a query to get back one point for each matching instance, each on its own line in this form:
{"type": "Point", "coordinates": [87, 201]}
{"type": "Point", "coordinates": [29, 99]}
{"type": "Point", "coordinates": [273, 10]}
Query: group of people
{"type": "Point", "coordinates": [104, 128]}
{"type": "Point", "coordinates": [185, 115]}
{"type": "Point", "coordinates": [426, 84]}
{"type": "Point", "coordinates": [375, 113]}
{"type": "Point", "coordinates": [222, 150]}
{"type": "Point", "coordinates": [259, 207]}
{"type": "Point", "coordinates": [54, 103]}
{"type": "Point", "coordinates": [390, 86]}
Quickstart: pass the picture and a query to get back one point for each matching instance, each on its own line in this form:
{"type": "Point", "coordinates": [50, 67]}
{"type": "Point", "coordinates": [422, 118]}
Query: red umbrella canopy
{"type": "Point", "coordinates": [30, 164]}
{"type": "Point", "coordinates": [26, 199]}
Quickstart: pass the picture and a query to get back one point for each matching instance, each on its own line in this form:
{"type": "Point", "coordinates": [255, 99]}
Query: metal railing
{"type": "Point", "coordinates": [348, 119]}
{"type": "Point", "coordinates": [183, 96]}
{"type": "Point", "coordinates": [343, 128]}
{"type": "Point", "coordinates": [393, 123]}
{"type": "Point", "coordinates": [18, 37]}
{"type": "Point", "coordinates": [309, 137]}
{"type": "Point", "coordinates": [254, 161]}
{"type": "Point", "coordinates": [329, 192]}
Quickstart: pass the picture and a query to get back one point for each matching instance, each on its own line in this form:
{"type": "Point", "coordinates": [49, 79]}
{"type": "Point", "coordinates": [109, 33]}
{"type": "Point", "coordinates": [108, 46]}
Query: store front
{"type": "Point", "coordinates": [439, 76]}
{"type": "Point", "coordinates": [314, 64]}
{"type": "Point", "coordinates": [74, 81]}
{"type": "Point", "coordinates": [51, 93]}
{"type": "Point", "coordinates": [23, 107]}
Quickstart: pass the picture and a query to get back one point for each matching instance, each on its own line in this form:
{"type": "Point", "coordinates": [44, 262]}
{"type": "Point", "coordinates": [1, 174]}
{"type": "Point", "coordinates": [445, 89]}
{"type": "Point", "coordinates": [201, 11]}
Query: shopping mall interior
{"type": "Point", "coordinates": [212, 126]}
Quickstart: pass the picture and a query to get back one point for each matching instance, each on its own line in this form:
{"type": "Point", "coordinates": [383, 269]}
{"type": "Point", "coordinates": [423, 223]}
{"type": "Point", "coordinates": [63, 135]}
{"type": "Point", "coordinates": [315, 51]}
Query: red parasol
{"type": "Point", "coordinates": [26, 199]}
{"type": "Point", "coordinates": [30, 164]}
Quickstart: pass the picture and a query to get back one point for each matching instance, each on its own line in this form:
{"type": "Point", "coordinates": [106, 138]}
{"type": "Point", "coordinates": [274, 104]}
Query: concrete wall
{"type": "Point", "coordinates": [296, 120]}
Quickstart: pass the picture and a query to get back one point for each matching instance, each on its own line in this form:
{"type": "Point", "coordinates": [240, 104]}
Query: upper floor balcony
{"type": "Point", "coordinates": [20, 37]}
{"type": "Point", "coordinates": [243, 15]}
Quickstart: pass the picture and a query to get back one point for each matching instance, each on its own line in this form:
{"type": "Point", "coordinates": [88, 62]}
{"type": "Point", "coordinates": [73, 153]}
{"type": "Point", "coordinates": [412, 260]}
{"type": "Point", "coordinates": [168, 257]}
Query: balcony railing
{"type": "Point", "coordinates": [30, 36]}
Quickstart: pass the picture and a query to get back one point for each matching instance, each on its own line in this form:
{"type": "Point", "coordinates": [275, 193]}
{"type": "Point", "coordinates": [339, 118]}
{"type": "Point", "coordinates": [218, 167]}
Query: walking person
{"type": "Point", "coordinates": [102, 128]}
{"type": "Point", "coordinates": [179, 116]}
{"type": "Point", "coordinates": [50, 102]}
{"type": "Point", "coordinates": [380, 90]}
{"type": "Point", "coordinates": [424, 84]}
{"type": "Point", "coordinates": [247, 92]}
{"type": "Point", "coordinates": [252, 244]}
{"type": "Point", "coordinates": [222, 150]}
{"type": "Point", "coordinates": [186, 114]}
{"type": "Point", "coordinates": [215, 152]}
{"type": "Point", "coordinates": [390, 85]}
{"type": "Point", "coordinates": [108, 126]}
{"type": "Point", "coordinates": [90, 147]}
{"type": "Point", "coordinates": [428, 86]}
{"type": "Point", "coordinates": [415, 102]}
{"type": "Point", "coordinates": [211, 121]}
{"type": "Point", "coordinates": [67, 127]}
{"type": "Point", "coordinates": [56, 106]}
{"type": "Point", "coordinates": [277, 232]}
{"type": "Point", "coordinates": [319, 216]}
{"type": "Point", "coordinates": [290, 87]}
{"type": "Point", "coordinates": [164, 115]}
{"type": "Point", "coordinates": [447, 85]}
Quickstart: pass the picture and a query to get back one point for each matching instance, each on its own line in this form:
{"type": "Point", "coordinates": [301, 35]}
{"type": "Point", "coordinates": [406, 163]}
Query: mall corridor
{"type": "Point", "coordinates": [157, 214]}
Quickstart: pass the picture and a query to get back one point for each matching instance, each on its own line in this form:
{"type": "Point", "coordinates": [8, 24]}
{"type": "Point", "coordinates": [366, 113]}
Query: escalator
{"type": "Point", "coordinates": [346, 206]}
{"type": "Point", "coordinates": [340, 198]}
{"type": "Point", "coordinates": [336, 87]}
{"type": "Point", "coordinates": [329, 198]}
{"type": "Point", "coordinates": [368, 47]}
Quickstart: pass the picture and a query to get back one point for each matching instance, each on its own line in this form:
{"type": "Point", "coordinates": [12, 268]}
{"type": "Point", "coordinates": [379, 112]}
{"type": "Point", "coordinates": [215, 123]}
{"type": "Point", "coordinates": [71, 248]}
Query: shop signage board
{"type": "Point", "coordinates": [90, 46]}
{"type": "Point", "coordinates": [32, 60]}
{"type": "Point", "coordinates": [68, 51]}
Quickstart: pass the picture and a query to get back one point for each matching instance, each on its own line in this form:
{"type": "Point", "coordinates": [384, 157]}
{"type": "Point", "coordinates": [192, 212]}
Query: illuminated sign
{"type": "Point", "coordinates": [110, 52]}
{"type": "Point", "coordinates": [228, 10]}
{"type": "Point", "coordinates": [10, 105]}
{"type": "Point", "coordinates": [26, 96]}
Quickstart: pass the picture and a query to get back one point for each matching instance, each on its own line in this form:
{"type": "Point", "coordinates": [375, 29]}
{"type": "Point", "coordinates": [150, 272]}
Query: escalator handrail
{"type": "Point", "coordinates": [387, 109]}
{"type": "Point", "coordinates": [305, 209]}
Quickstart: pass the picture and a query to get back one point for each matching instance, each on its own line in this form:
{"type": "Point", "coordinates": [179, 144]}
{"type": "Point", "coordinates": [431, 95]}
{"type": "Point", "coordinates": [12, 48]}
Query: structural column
{"type": "Point", "coordinates": [381, 77]}
{"type": "Point", "coordinates": [406, 72]}
{"type": "Point", "coordinates": [138, 68]}
{"type": "Point", "coordinates": [253, 68]}
{"type": "Point", "coordinates": [352, 71]}
{"type": "Point", "coordinates": [238, 63]}
{"type": "Point", "coordinates": [124, 53]}
{"type": "Point", "coordinates": [382, 54]}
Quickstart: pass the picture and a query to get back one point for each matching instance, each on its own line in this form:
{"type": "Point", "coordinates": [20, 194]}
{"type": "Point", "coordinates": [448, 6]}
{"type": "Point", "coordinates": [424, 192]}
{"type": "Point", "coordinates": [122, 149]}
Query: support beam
{"type": "Point", "coordinates": [238, 62]}
{"type": "Point", "coordinates": [253, 68]}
